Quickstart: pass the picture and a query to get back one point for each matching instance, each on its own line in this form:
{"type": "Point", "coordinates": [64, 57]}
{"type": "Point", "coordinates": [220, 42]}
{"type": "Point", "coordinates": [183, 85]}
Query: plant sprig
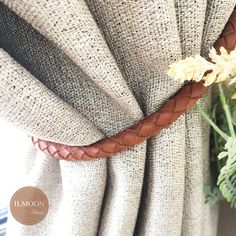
{"type": "Point", "coordinates": [222, 71]}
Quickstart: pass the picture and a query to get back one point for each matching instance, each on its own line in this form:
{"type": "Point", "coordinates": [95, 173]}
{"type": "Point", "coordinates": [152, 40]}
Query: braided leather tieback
{"type": "Point", "coordinates": [146, 128]}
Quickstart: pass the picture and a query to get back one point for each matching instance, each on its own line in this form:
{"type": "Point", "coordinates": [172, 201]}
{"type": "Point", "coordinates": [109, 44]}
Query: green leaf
{"type": "Point", "coordinates": [213, 113]}
{"type": "Point", "coordinates": [212, 194]}
{"type": "Point", "coordinates": [229, 143]}
{"type": "Point", "coordinates": [227, 183]}
{"type": "Point", "coordinates": [222, 155]}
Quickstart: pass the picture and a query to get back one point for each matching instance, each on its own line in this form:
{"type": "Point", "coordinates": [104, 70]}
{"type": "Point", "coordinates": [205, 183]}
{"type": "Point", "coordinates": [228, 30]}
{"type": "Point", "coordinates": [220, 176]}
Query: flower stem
{"type": "Point", "coordinates": [209, 120]}
{"type": "Point", "coordinates": [226, 110]}
{"type": "Point", "coordinates": [215, 136]}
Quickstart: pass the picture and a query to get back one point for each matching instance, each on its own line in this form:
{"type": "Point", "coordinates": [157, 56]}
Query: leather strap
{"type": "Point", "coordinates": [150, 126]}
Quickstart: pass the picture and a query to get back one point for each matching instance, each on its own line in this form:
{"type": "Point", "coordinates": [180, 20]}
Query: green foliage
{"type": "Point", "coordinates": [227, 177]}
{"type": "Point", "coordinates": [234, 117]}
{"type": "Point", "coordinates": [223, 154]}
{"type": "Point", "coordinates": [212, 194]}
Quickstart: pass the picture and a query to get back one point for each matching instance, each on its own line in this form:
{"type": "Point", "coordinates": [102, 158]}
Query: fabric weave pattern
{"type": "Point", "coordinates": [96, 67]}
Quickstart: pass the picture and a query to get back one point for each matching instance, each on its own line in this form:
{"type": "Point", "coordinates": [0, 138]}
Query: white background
{"type": "Point", "coordinates": [12, 149]}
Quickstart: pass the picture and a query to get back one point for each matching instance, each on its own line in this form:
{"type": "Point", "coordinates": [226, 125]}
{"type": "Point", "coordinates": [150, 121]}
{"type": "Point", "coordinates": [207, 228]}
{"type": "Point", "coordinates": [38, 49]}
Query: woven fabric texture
{"type": "Point", "coordinates": [76, 71]}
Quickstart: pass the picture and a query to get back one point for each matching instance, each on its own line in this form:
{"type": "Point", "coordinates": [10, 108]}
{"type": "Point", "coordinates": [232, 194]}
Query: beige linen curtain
{"type": "Point", "coordinates": [74, 71]}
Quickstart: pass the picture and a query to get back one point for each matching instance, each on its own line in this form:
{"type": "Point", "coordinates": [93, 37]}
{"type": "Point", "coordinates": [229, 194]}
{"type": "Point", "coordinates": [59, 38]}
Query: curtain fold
{"type": "Point", "coordinates": [71, 26]}
{"type": "Point", "coordinates": [54, 69]}
{"type": "Point", "coordinates": [28, 104]}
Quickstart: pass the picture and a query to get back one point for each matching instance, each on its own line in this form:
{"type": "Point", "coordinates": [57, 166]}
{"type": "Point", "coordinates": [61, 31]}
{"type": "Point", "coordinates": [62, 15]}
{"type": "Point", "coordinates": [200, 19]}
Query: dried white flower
{"type": "Point", "coordinates": [191, 68]}
{"type": "Point", "coordinates": [222, 67]}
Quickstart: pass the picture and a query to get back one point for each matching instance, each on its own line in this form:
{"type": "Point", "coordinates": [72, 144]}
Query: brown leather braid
{"type": "Point", "coordinates": [149, 126]}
